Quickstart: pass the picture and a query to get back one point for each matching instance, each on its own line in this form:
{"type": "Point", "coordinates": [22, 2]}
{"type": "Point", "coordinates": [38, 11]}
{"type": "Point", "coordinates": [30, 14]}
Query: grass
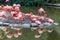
{"type": "Point", "coordinates": [29, 35]}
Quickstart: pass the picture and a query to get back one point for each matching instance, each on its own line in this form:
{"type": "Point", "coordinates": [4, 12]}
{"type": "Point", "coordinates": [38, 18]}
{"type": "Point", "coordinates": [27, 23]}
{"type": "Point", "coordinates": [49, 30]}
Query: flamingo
{"type": "Point", "coordinates": [33, 17]}
{"type": "Point", "coordinates": [37, 36]}
{"type": "Point", "coordinates": [6, 8]}
{"type": "Point", "coordinates": [14, 13]}
{"type": "Point", "coordinates": [2, 7]}
{"type": "Point", "coordinates": [16, 35]}
{"type": "Point", "coordinates": [50, 30]}
{"type": "Point", "coordinates": [17, 29]}
{"type": "Point", "coordinates": [40, 11]}
{"type": "Point", "coordinates": [4, 28]}
{"type": "Point", "coordinates": [19, 16]}
{"type": "Point", "coordinates": [40, 31]}
{"type": "Point", "coordinates": [37, 22]}
{"type": "Point", "coordinates": [3, 14]}
{"type": "Point", "coordinates": [9, 35]}
{"type": "Point", "coordinates": [18, 5]}
{"type": "Point", "coordinates": [14, 5]}
{"type": "Point", "coordinates": [17, 8]}
{"type": "Point", "coordinates": [50, 20]}
{"type": "Point", "coordinates": [28, 14]}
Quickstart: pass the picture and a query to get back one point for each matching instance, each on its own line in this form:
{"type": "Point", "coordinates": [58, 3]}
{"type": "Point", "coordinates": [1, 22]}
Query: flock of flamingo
{"type": "Point", "coordinates": [12, 17]}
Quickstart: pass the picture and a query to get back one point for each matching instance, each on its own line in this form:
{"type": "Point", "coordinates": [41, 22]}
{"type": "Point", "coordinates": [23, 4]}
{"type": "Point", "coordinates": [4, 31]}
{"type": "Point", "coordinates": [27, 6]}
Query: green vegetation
{"type": "Point", "coordinates": [24, 2]}
{"type": "Point", "coordinates": [29, 2]}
